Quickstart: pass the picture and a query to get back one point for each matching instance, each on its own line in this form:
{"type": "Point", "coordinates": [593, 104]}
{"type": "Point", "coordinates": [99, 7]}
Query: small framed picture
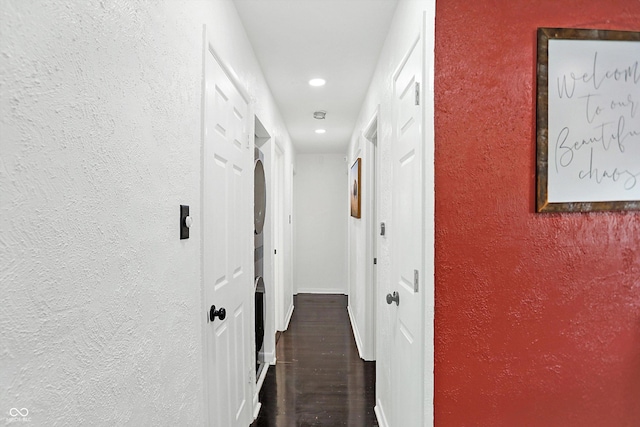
{"type": "Point", "coordinates": [354, 188]}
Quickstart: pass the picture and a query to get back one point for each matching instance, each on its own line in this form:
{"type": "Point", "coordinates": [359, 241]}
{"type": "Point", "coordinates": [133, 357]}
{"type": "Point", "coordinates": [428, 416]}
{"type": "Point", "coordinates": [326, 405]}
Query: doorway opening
{"type": "Point", "coordinates": [371, 146]}
{"type": "Point", "coordinates": [262, 286]}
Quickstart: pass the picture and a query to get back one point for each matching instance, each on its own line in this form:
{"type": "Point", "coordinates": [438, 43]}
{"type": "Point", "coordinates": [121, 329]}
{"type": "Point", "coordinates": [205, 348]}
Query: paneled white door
{"type": "Point", "coordinates": [407, 259]}
{"type": "Point", "coordinates": [227, 254]}
{"type": "Point", "coordinates": [278, 236]}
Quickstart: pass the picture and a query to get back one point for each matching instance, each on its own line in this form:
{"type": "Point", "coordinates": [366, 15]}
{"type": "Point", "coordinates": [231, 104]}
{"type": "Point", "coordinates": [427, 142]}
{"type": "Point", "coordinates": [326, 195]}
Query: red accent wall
{"type": "Point", "coordinates": [537, 315]}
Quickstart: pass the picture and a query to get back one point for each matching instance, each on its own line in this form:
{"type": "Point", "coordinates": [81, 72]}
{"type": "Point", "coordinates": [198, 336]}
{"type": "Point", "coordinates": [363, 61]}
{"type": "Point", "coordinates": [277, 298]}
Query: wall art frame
{"type": "Point", "coordinates": [355, 188]}
{"type": "Point", "coordinates": [588, 120]}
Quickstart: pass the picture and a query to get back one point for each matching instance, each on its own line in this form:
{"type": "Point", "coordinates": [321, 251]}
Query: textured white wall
{"type": "Point", "coordinates": [320, 207]}
{"type": "Point", "coordinates": [357, 229]}
{"type": "Point", "coordinates": [100, 132]}
{"type": "Point", "coordinates": [406, 22]}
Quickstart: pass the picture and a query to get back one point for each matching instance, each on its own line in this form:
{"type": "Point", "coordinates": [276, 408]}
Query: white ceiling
{"type": "Point", "coordinates": [297, 40]}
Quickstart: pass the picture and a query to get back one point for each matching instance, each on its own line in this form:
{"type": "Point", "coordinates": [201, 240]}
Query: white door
{"type": "Point", "coordinates": [407, 258]}
{"type": "Point", "coordinates": [278, 236]}
{"type": "Point", "coordinates": [227, 239]}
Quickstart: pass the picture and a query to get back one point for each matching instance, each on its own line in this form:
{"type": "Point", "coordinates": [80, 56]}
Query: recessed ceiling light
{"type": "Point", "coordinates": [320, 131]}
{"type": "Point", "coordinates": [317, 82]}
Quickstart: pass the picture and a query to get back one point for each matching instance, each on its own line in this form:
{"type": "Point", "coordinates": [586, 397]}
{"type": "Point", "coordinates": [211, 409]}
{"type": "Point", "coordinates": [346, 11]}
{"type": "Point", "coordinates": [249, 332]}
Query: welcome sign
{"type": "Point", "coordinates": [588, 132]}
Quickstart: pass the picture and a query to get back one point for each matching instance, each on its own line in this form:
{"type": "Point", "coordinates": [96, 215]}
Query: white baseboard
{"type": "Point", "coordinates": [260, 381]}
{"type": "Point", "coordinates": [256, 397]}
{"type": "Point", "coordinates": [269, 357]}
{"type": "Point", "coordinates": [256, 410]}
{"type": "Point", "coordinates": [382, 420]}
{"type": "Point", "coordinates": [356, 332]}
{"type": "Point", "coordinates": [288, 318]}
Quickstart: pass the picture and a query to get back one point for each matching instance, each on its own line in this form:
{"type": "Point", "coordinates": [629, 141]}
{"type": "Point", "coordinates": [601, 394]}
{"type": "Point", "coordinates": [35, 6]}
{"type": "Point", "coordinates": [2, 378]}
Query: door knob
{"type": "Point", "coordinates": [395, 297]}
{"type": "Point", "coordinates": [220, 313]}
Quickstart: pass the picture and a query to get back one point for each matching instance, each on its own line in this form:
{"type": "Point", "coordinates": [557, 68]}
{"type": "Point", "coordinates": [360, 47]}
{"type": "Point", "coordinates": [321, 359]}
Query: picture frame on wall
{"type": "Point", "coordinates": [588, 120]}
{"type": "Point", "coordinates": [355, 189]}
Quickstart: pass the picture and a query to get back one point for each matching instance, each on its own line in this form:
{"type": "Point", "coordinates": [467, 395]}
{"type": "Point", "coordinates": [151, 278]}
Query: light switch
{"type": "Point", "coordinates": [185, 222]}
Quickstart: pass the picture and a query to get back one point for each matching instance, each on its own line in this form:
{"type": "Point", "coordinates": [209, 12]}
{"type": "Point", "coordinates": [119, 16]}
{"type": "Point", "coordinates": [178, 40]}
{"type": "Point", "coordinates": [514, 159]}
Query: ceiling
{"type": "Point", "coordinates": [337, 40]}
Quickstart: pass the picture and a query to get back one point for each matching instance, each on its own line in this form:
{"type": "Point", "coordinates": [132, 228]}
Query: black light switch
{"type": "Point", "coordinates": [185, 222]}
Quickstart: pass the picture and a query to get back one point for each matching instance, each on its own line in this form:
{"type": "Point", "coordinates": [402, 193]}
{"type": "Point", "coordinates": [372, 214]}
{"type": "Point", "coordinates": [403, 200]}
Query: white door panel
{"type": "Point", "coordinates": [227, 240]}
{"type": "Point", "coordinates": [407, 342]}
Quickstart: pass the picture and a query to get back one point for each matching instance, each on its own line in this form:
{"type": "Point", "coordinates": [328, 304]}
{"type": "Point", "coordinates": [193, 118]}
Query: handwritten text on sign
{"type": "Point", "coordinates": [593, 121]}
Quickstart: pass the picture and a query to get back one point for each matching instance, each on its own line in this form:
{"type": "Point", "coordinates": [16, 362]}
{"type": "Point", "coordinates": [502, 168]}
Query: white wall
{"type": "Point", "coordinates": [100, 127]}
{"type": "Point", "coordinates": [320, 212]}
{"type": "Point", "coordinates": [407, 20]}
{"type": "Point", "coordinates": [360, 267]}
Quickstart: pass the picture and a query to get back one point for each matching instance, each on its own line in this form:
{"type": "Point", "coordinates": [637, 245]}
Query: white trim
{"type": "Point", "coordinates": [269, 357]}
{"type": "Point", "coordinates": [288, 320]}
{"type": "Point", "coordinates": [278, 225]}
{"type": "Point", "coordinates": [231, 74]}
{"type": "Point", "coordinates": [203, 301]}
{"type": "Point", "coordinates": [367, 130]}
{"type": "Point", "coordinates": [406, 57]}
{"type": "Point", "coordinates": [264, 142]}
{"type": "Point", "coordinates": [256, 397]}
{"type": "Point", "coordinates": [380, 416]}
{"type": "Point", "coordinates": [371, 131]}
{"type": "Point", "coordinates": [260, 381]}
{"type": "Point", "coordinates": [256, 407]}
{"type": "Point", "coordinates": [427, 96]}
{"type": "Point", "coordinates": [356, 333]}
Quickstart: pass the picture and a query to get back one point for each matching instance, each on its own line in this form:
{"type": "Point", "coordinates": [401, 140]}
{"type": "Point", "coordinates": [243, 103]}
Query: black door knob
{"type": "Point", "coordinates": [220, 313]}
{"type": "Point", "coordinates": [395, 297]}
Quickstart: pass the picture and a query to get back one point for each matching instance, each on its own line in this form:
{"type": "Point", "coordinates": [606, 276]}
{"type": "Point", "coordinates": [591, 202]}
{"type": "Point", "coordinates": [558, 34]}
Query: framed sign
{"type": "Point", "coordinates": [588, 120]}
{"type": "Point", "coordinates": [354, 189]}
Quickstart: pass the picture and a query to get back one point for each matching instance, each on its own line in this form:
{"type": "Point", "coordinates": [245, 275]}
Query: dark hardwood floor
{"type": "Point", "coordinates": [319, 378]}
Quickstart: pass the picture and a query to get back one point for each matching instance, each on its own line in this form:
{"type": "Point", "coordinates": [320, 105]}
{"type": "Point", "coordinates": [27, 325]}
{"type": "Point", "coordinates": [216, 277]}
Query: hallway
{"type": "Point", "coordinates": [130, 255]}
{"type": "Point", "coordinates": [319, 379]}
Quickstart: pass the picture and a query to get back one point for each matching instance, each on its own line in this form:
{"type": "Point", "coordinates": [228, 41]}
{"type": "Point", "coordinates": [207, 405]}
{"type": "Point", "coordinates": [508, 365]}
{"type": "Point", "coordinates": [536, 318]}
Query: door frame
{"type": "Point", "coordinates": [263, 141]}
{"type": "Point", "coordinates": [289, 172]}
{"type": "Point", "coordinates": [208, 48]}
{"type": "Point", "coordinates": [425, 34]}
{"type": "Point", "coordinates": [427, 95]}
{"type": "Point", "coordinates": [370, 138]}
{"type": "Point", "coordinates": [278, 235]}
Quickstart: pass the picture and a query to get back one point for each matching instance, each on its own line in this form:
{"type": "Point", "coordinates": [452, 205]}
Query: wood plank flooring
{"type": "Point", "coordinates": [319, 378]}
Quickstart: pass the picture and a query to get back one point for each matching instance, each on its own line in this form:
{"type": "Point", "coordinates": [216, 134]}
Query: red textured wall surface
{"type": "Point", "coordinates": [537, 315]}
